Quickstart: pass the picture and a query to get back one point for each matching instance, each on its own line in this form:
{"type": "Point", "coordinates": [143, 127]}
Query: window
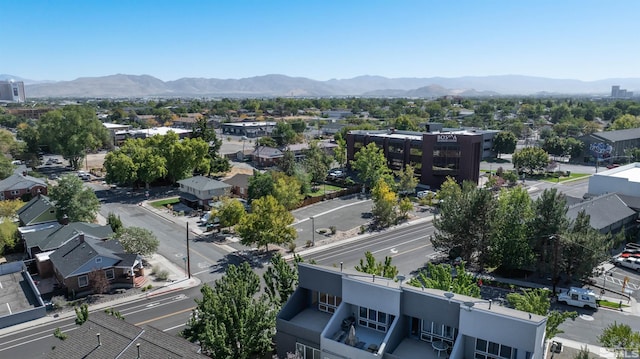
{"type": "Point", "coordinates": [15, 192]}
{"type": "Point", "coordinates": [307, 352]}
{"type": "Point", "coordinates": [490, 350]}
{"type": "Point", "coordinates": [439, 331]}
{"type": "Point", "coordinates": [328, 303]}
{"type": "Point", "coordinates": [83, 281]}
{"type": "Point", "coordinates": [374, 319]}
{"type": "Point", "coordinates": [109, 273]}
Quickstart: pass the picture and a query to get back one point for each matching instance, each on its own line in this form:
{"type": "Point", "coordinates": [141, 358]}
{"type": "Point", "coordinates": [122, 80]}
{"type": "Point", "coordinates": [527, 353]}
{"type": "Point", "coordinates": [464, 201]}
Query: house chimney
{"type": "Point", "coordinates": [81, 238]}
{"type": "Point", "coordinates": [99, 341]}
{"type": "Point", "coordinates": [64, 220]}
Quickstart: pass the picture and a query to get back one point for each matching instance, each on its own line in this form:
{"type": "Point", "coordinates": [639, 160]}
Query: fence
{"type": "Point", "coordinates": [343, 192]}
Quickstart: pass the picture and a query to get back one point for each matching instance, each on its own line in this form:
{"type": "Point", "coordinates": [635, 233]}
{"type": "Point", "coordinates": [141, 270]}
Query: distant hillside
{"type": "Point", "coordinates": [280, 85]}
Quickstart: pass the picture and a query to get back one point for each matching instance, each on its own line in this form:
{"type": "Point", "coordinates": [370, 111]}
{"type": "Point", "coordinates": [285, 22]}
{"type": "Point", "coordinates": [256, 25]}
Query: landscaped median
{"type": "Point", "coordinates": [164, 202]}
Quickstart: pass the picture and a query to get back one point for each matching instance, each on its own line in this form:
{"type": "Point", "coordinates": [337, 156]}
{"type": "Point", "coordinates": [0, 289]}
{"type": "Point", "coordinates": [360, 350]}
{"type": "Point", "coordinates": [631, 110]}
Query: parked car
{"type": "Point", "coordinates": [628, 262]}
{"type": "Point", "coordinates": [425, 193]}
{"type": "Point", "coordinates": [579, 297]}
{"type": "Point", "coordinates": [336, 174]}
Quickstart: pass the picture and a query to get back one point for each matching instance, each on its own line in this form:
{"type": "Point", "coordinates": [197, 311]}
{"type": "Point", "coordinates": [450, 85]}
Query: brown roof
{"type": "Point", "coordinates": [119, 339]}
{"type": "Point", "coordinates": [238, 180]}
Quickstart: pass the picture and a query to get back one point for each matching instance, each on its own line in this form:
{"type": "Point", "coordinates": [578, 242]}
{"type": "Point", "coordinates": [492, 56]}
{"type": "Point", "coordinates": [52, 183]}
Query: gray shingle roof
{"type": "Point", "coordinates": [203, 183]}
{"type": "Point", "coordinates": [35, 208]}
{"type": "Point", "coordinates": [18, 181]}
{"type": "Point", "coordinates": [267, 152]}
{"type": "Point", "coordinates": [619, 135]}
{"type": "Point", "coordinates": [52, 238]}
{"type": "Point", "coordinates": [238, 180]}
{"type": "Point", "coordinates": [119, 339]}
{"type": "Point", "coordinates": [604, 210]}
{"type": "Point", "coordinates": [78, 251]}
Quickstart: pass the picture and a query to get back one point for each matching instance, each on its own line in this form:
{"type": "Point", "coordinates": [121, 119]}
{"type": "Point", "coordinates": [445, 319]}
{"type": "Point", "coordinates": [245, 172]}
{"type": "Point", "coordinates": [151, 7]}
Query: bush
{"type": "Point", "coordinates": [149, 286]}
{"type": "Point", "coordinates": [292, 247]}
{"type": "Point", "coordinates": [160, 274]}
{"type": "Point", "coordinates": [332, 229]}
{"type": "Point", "coordinates": [59, 334]}
{"type": "Point", "coordinates": [58, 302]}
{"type": "Point", "coordinates": [322, 231]}
{"type": "Point", "coordinates": [363, 229]}
{"type": "Point", "coordinates": [309, 243]}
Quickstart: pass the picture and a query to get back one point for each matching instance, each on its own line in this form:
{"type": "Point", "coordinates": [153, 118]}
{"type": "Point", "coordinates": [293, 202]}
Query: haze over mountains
{"type": "Point", "coordinates": [280, 85]}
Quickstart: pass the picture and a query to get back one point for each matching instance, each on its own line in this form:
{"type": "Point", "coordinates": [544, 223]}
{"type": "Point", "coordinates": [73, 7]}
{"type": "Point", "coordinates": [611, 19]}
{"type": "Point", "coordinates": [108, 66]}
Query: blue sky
{"type": "Point", "coordinates": [323, 39]}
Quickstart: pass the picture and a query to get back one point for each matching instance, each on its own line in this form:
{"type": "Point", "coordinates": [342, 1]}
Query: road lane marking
{"type": "Point", "coordinates": [165, 316]}
{"type": "Point", "coordinates": [175, 327]}
{"type": "Point", "coordinates": [411, 250]}
{"type": "Point", "coordinates": [22, 338]}
{"type": "Point", "coordinates": [329, 211]}
{"type": "Point", "coordinates": [9, 307]}
{"type": "Point", "coordinates": [23, 342]}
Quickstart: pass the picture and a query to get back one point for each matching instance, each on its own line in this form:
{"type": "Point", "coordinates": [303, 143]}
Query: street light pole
{"type": "Point", "coordinates": [313, 232]}
{"type": "Point", "coordinates": [188, 263]}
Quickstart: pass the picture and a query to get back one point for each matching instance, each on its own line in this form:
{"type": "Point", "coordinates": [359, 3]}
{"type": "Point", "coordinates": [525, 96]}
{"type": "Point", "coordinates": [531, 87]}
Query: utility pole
{"type": "Point", "coordinates": [188, 255]}
{"type": "Point", "coordinates": [555, 262]}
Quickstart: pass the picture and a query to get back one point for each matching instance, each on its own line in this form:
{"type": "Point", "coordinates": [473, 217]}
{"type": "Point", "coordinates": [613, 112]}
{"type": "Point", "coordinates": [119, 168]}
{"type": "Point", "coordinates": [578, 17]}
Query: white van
{"type": "Point", "coordinates": [628, 262]}
{"type": "Point", "coordinates": [579, 297]}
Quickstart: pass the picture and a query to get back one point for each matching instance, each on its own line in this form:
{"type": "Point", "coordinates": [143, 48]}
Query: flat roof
{"type": "Point", "coordinates": [632, 174]}
{"type": "Point", "coordinates": [15, 294]}
{"type": "Point", "coordinates": [156, 131]}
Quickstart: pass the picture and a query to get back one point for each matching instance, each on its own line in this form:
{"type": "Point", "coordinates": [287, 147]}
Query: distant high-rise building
{"type": "Point", "coordinates": [617, 92]}
{"type": "Point", "coordinates": [12, 91]}
{"type": "Point", "coordinates": [614, 91]}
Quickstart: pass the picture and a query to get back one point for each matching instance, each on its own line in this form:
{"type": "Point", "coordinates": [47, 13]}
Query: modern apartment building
{"type": "Point", "coordinates": [12, 91]}
{"type": "Point", "coordinates": [433, 155]}
{"type": "Point", "coordinates": [336, 314]}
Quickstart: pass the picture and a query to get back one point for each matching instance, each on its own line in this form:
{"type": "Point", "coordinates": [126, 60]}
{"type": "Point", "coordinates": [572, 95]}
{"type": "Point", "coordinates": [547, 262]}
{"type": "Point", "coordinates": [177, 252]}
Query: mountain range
{"type": "Point", "coordinates": [120, 86]}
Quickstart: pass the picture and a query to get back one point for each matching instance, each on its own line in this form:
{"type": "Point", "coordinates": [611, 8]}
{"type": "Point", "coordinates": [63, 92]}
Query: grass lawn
{"type": "Point", "coordinates": [322, 189]}
{"type": "Point", "coordinates": [610, 304]}
{"type": "Point", "coordinates": [164, 202]}
{"type": "Point", "coordinates": [552, 179]}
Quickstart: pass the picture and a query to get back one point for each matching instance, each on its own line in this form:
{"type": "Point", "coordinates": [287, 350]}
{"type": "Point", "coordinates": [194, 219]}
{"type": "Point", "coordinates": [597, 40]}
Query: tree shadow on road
{"type": "Point", "coordinates": [256, 259]}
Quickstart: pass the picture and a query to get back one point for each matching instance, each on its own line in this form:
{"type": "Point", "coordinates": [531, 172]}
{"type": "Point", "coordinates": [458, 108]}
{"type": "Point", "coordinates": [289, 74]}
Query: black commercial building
{"type": "Point", "coordinates": [433, 155]}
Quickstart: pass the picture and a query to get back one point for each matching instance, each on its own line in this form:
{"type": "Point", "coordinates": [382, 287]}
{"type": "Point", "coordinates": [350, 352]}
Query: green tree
{"type": "Point", "coordinates": [283, 134]}
{"type": "Point", "coordinates": [407, 181]}
{"type": "Point", "coordinates": [406, 123]}
{"type": "Point", "coordinates": [8, 234]}
{"type": "Point", "coordinates": [6, 168]}
{"type": "Point", "coordinates": [504, 142]}
{"type": "Point", "coordinates": [510, 246]}
{"type": "Point", "coordinates": [287, 191]}
{"type": "Point", "coordinates": [583, 248]}
{"type": "Point", "coordinates": [384, 204]}
{"type": "Point", "coordinates": [441, 277]}
{"type": "Point", "coordinates": [72, 131]}
{"type": "Point", "coordinates": [371, 164]}
{"type": "Point", "coordinates": [9, 207]}
{"type": "Point", "coordinates": [232, 320]}
{"type": "Point", "coordinates": [260, 185]}
{"type": "Point", "coordinates": [287, 163]}
{"type": "Point", "coordinates": [231, 212]}
{"type": "Point", "coordinates": [280, 280]}
{"type": "Point", "coordinates": [404, 207]}
{"type": "Point", "coordinates": [340, 152]}
{"type": "Point", "coordinates": [317, 162]}
{"type": "Point", "coordinates": [465, 225]}
{"type": "Point", "coordinates": [550, 219]}
{"type": "Point", "coordinates": [59, 334]}
{"type": "Point", "coordinates": [98, 281]}
{"type": "Point", "coordinates": [82, 313]}
{"type": "Point", "coordinates": [625, 122]}
{"type": "Point", "coordinates": [582, 354]}
{"type": "Point", "coordinates": [74, 200]}
{"type": "Point", "coordinates": [137, 240]}
{"type": "Point", "coordinates": [268, 223]}
{"type": "Point", "coordinates": [115, 222]}
{"type": "Point", "coordinates": [370, 266]}
{"type": "Point", "coordinates": [531, 159]}
{"type": "Point", "coordinates": [120, 168]}
{"type": "Point", "coordinates": [622, 338]}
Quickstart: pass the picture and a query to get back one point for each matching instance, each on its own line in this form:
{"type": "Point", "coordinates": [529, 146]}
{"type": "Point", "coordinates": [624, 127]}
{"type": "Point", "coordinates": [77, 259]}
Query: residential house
{"type": "Point", "coordinates": [201, 191]}
{"type": "Point", "coordinates": [75, 260]}
{"type": "Point", "coordinates": [299, 149]}
{"type": "Point", "coordinates": [105, 336]}
{"type": "Point", "coordinates": [239, 184]}
{"type": "Point", "coordinates": [21, 186]}
{"type": "Point", "coordinates": [346, 314]}
{"type": "Point", "coordinates": [266, 156]}
{"type": "Point", "coordinates": [38, 210]}
{"type": "Point", "coordinates": [52, 236]}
